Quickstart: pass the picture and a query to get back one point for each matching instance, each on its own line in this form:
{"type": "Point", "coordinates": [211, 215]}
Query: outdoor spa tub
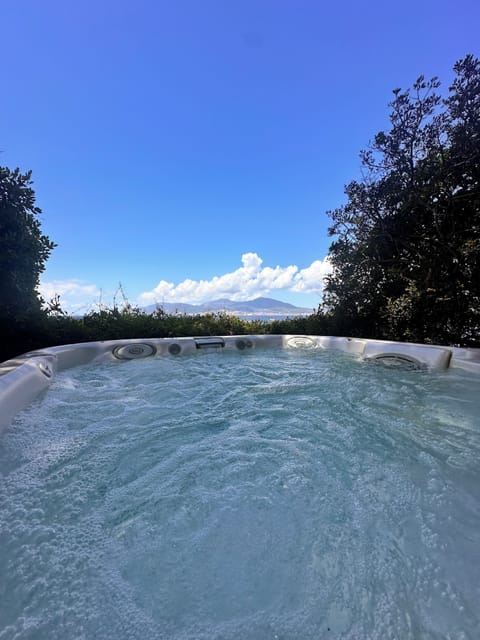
{"type": "Point", "coordinates": [249, 487]}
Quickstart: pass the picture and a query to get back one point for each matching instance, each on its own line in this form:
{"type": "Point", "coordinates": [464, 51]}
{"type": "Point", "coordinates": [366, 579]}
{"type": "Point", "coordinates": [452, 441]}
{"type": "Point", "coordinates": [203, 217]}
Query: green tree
{"type": "Point", "coordinates": [406, 254]}
{"type": "Point", "coordinates": [23, 247]}
{"type": "Point", "coordinates": [24, 325]}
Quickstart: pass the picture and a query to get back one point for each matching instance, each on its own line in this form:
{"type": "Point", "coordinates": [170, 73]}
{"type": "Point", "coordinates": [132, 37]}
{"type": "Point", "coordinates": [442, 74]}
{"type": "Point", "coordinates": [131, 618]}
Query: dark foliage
{"type": "Point", "coordinates": [23, 248]}
{"type": "Point", "coordinates": [23, 253]}
{"type": "Point", "coordinates": [407, 251]}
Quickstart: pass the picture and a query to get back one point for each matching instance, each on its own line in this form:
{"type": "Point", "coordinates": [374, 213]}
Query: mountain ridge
{"type": "Point", "coordinates": [260, 306]}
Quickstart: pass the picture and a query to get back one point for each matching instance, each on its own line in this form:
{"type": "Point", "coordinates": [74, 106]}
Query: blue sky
{"type": "Point", "coordinates": [190, 149]}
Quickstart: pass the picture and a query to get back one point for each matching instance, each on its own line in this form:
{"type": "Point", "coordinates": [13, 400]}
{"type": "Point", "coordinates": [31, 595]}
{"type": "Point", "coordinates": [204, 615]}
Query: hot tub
{"type": "Point", "coordinates": [240, 487]}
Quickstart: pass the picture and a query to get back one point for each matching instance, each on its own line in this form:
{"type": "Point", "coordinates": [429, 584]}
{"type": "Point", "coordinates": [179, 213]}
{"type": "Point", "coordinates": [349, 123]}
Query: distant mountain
{"type": "Point", "coordinates": [265, 307]}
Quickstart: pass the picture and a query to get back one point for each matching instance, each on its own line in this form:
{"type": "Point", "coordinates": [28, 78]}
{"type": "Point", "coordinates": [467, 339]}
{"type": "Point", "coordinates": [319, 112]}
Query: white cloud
{"type": "Point", "coordinates": [310, 280]}
{"type": "Point", "coordinates": [76, 296]}
{"type": "Point", "coordinates": [249, 281]}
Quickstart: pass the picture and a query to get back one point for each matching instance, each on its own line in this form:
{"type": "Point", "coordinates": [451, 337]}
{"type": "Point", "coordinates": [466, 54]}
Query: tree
{"type": "Point", "coordinates": [23, 248]}
{"type": "Point", "coordinates": [406, 258]}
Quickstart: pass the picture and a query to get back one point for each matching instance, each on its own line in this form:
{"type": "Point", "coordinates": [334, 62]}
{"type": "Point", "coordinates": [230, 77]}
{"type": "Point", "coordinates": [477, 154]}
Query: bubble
{"type": "Point", "coordinates": [298, 494]}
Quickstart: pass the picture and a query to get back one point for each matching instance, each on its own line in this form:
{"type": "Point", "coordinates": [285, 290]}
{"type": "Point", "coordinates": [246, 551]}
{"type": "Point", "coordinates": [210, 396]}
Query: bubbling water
{"type": "Point", "coordinates": [285, 495]}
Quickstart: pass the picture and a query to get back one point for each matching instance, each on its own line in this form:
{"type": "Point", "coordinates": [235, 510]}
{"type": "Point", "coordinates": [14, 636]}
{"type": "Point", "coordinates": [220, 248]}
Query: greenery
{"type": "Point", "coordinates": [23, 253]}
{"type": "Point", "coordinates": [405, 255]}
{"type": "Point", "coordinates": [23, 248]}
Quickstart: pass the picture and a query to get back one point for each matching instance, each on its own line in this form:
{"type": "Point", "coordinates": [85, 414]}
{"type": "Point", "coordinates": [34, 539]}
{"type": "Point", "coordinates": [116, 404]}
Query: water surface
{"type": "Point", "coordinates": [281, 494]}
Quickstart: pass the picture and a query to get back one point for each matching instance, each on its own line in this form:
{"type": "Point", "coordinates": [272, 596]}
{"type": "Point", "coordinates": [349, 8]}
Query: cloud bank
{"type": "Point", "coordinates": [249, 281]}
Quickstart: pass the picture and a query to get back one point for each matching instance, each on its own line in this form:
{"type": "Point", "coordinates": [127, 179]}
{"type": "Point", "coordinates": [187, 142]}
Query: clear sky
{"type": "Point", "coordinates": [190, 149]}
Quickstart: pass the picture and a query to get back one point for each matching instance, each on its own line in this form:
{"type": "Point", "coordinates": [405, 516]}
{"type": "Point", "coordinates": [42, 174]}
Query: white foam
{"type": "Point", "coordinates": [290, 495]}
